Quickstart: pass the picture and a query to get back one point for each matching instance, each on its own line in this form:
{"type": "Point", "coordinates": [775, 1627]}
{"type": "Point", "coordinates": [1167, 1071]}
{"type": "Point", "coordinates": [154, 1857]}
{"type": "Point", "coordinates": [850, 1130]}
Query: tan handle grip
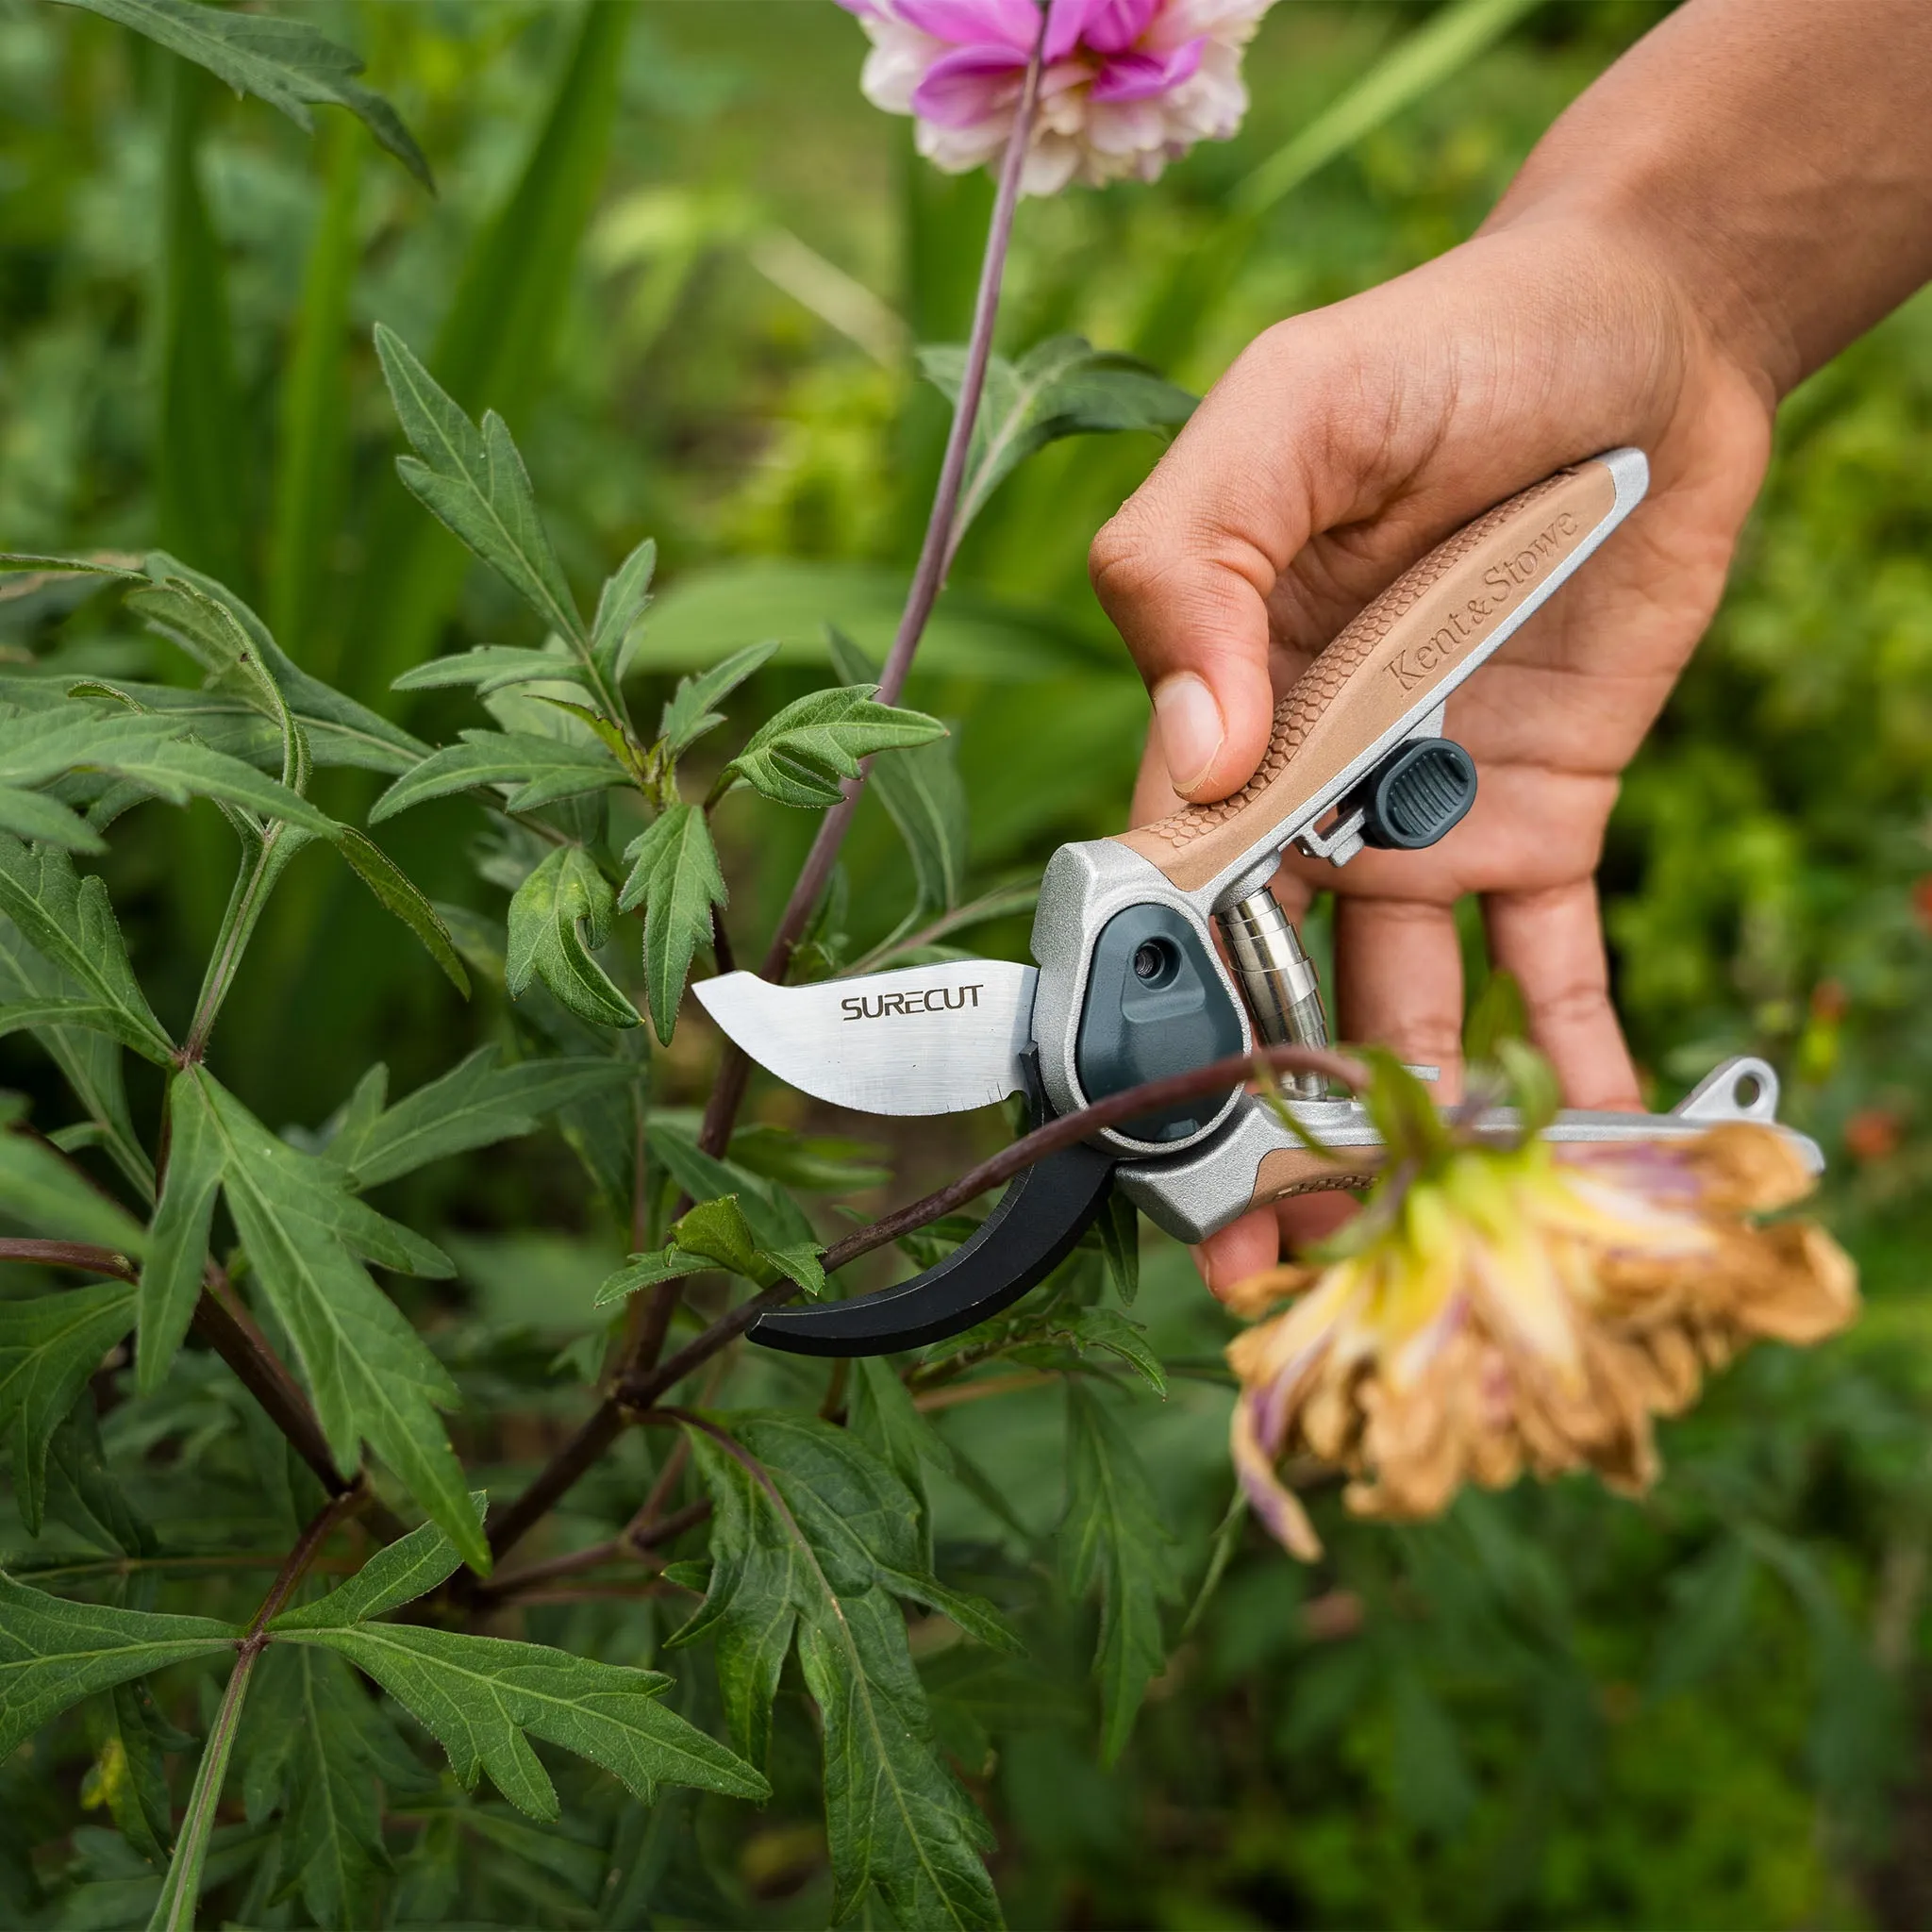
{"type": "Point", "coordinates": [1289, 1171]}
{"type": "Point", "coordinates": [1382, 675]}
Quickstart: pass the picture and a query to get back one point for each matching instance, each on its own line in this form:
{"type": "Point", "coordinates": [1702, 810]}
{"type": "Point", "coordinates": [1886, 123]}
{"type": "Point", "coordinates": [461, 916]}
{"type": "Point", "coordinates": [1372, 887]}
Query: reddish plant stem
{"type": "Point", "coordinates": [222, 1321]}
{"type": "Point", "coordinates": [639, 1391]}
{"type": "Point", "coordinates": [928, 577]}
{"type": "Point", "coordinates": [637, 1543]}
{"type": "Point", "coordinates": [333, 1513]}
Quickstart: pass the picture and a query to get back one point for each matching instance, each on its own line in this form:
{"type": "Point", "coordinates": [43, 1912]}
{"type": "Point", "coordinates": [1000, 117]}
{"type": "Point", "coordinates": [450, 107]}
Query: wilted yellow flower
{"type": "Point", "coordinates": [1525, 1307]}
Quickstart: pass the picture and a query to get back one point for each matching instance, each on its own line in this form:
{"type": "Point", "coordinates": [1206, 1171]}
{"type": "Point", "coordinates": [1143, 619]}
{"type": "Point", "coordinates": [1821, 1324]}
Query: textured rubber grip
{"type": "Point", "coordinates": [1384, 674]}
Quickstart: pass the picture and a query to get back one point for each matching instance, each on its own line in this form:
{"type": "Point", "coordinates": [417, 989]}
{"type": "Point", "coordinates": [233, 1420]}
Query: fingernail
{"type": "Point", "coordinates": [1192, 728]}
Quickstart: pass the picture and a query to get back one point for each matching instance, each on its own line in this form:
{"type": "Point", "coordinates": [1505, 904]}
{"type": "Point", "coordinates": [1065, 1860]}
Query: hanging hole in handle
{"type": "Point", "coordinates": [1747, 1090]}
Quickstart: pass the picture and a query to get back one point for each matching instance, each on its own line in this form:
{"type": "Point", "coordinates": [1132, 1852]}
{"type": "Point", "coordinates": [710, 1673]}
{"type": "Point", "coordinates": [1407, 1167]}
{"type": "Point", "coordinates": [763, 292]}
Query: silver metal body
{"type": "Point", "coordinates": [1084, 887]}
{"type": "Point", "coordinates": [925, 1039]}
{"type": "Point", "coordinates": [1283, 995]}
{"type": "Point", "coordinates": [1198, 1194]}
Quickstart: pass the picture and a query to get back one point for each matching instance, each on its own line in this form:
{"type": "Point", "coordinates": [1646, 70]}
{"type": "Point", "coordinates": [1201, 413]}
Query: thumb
{"type": "Point", "coordinates": [1185, 570]}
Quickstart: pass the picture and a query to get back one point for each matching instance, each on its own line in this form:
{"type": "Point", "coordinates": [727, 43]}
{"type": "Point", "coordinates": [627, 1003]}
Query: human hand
{"type": "Point", "coordinates": [1339, 448]}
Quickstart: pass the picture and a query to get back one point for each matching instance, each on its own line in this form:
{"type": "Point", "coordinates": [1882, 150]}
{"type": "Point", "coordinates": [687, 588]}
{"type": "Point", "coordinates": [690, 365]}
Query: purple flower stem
{"type": "Point", "coordinates": [935, 554]}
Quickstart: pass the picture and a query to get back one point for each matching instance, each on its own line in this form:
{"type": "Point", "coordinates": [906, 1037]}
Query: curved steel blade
{"type": "Point", "coordinates": [925, 1039]}
{"type": "Point", "coordinates": [1037, 1225]}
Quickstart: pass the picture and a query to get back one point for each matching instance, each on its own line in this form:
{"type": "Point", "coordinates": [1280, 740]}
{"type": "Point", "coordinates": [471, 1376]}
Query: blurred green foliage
{"type": "Point", "coordinates": [677, 252]}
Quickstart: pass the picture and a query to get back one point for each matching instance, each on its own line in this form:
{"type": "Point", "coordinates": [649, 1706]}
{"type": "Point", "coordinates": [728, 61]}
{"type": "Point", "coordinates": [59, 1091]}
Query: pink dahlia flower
{"type": "Point", "coordinates": [1128, 85]}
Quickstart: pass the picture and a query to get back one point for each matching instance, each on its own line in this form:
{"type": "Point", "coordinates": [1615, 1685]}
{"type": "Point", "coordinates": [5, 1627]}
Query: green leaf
{"type": "Point", "coordinates": [922, 792]}
{"type": "Point", "coordinates": [49, 1348]}
{"type": "Point", "coordinates": [1496, 1014]}
{"type": "Point", "coordinates": [49, 1195]}
{"type": "Point", "coordinates": [813, 1536]}
{"type": "Point", "coordinates": [494, 668]}
{"type": "Point", "coordinates": [1108, 1329]}
{"type": "Point", "coordinates": [820, 1164]}
{"type": "Point", "coordinates": [619, 609]}
{"type": "Point", "coordinates": [688, 714]}
{"type": "Point", "coordinates": [879, 1412]}
{"type": "Point", "coordinates": [171, 1280]}
{"type": "Point", "coordinates": [476, 1104]}
{"type": "Point", "coordinates": [84, 1051]}
{"type": "Point", "coordinates": [30, 815]}
{"type": "Point", "coordinates": [484, 1697]}
{"type": "Point", "coordinates": [542, 769]}
{"type": "Point", "coordinates": [799, 757]}
{"type": "Point", "coordinates": [1061, 386]}
{"type": "Point", "coordinates": [646, 1271]}
{"type": "Point", "coordinates": [1113, 1541]}
{"type": "Point", "coordinates": [474, 480]}
{"type": "Point", "coordinates": [397, 892]}
{"type": "Point", "coordinates": [52, 1653]}
{"type": "Point", "coordinates": [314, 1746]}
{"type": "Point", "coordinates": [775, 1219]}
{"type": "Point", "coordinates": [1120, 1241]}
{"type": "Point", "coordinates": [68, 919]}
{"type": "Point", "coordinates": [717, 1231]}
{"type": "Point", "coordinates": [178, 768]}
{"type": "Point", "coordinates": [129, 1775]}
{"type": "Point", "coordinates": [284, 62]}
{"type": "Point", "coordinates": [562, 910]}
{"type": "Point", "coordinates": [396, 1575]}
{"type": "Point", "coordinates": [370, 1373]}
{"type": "Point", "coordinates": [674, 872]}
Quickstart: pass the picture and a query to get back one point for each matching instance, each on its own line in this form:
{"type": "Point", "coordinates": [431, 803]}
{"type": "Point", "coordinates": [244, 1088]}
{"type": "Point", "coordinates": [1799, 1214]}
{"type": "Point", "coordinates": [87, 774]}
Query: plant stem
{"type": "Point", "coordinates": [638, 1390]}
{"type": "Point", "coordinates": [253, 884]}
{"type": "Point", "coordinates": [181, 1890]}
{"type": "Point", "coordinates": [928, 577]}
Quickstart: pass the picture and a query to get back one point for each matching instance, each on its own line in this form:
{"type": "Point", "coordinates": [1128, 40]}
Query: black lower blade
{"type": "Point", "coordinates": [1037, 1225]}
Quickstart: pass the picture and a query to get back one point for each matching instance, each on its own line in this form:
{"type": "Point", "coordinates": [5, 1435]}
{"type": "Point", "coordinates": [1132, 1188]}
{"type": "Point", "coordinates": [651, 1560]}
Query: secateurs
{"type": "Point", "coordinates": [1130, 987]}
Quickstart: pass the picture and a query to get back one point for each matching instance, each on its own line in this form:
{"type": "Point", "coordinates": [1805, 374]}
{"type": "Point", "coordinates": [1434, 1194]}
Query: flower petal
{"type": "Point", "coordinates": [964, 89]}
{"type": "Point", "coordinates": [1131, 76]}
{"type": "Point", "coordinates": [1012, 23]}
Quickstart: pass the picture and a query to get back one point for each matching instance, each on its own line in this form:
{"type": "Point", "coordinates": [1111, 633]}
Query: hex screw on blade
{"type": "Point", "coordinates": [1278, 981]}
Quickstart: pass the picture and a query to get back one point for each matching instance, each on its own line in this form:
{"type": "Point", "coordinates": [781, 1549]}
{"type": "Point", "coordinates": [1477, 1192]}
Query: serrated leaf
{"type": "Point", "coordinates": [84, 1496]}
{"type": "Point", "coordinates": [1120, 1241]}
{"type": "Point", "coordinates": [370, 1375]}
{"type": "Point", "coordinates": [67, 919]}
{"type": "Point", "coordinates": [540, 770]}
{"type": "Point", "coordinates": [647, 1270]}
{"type": "Point", "coordinates": [472, 479]}
{"type": "Point", "coordinates": [674, 874]}
{"type": "Point", "coordinates": [312, 1746]}
{"type": "Point", "coordinates": [476, 1104]}
{"type": "Point", "coordinates": [86, 1053]}
{"type": "Point", "coordinates": [396, 1575]}
{"type": "Point", "coordinates": [483, 1698]}
{"type": "Point", "coordinates": [559, 914]}
{"type": "Point", "coordinates": [397, 892]}
{"type": "Point", "coordinates": [32, 815]}
{"type": "Point", "coordinates": [688, 714]}
{"type": "Point", "coordinates": [619, 609]}
{"type": "Point", "coordinates": [52, 1653]}
{"type": "Point", "coordinates": [776, 1220]}
{"type": "Point", "coordinates": [923, 793]}
{"type": "Point", "coordinates": [129, 1775]}
{"type": "Point", "coordinates": [1061, 386]}
{"type": "Point", "coordinates": [1110, 1330]}
{"type": "Point", "coordinates": [717, 1234]}
{"type": "Point", "coordinates": [49, 1348]}
{"type": "Point", "coordinates": [178, 769]}
{"type": "Point", "coordinates": [803, 1517]}
{"type": "Point", "coordinates": [800, 756]}
{"type": "Point", "coordinates": [493, 668]}
{"type": "Point", "coordinates": [879, 1412]}
{"type": "Point", "coordinates": [284, 62]}
{"type": "Point", "coordinates": [1114, 1544]}
{"type": "Point", "coordinates": [172, 1276]}
{"type": "Point", "coordinates": [50, 1196]}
